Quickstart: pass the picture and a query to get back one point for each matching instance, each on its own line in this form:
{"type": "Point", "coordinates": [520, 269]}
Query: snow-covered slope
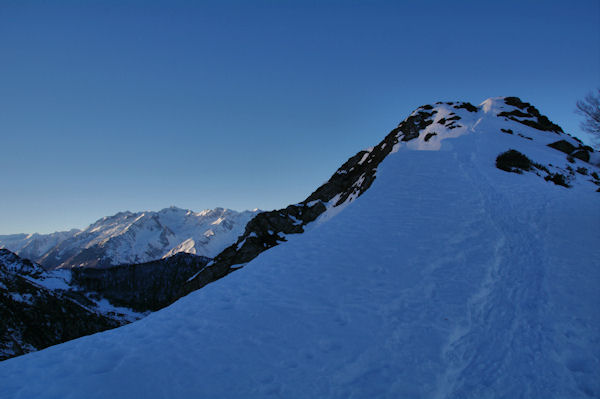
{"type": "Point", "coordinates": [424, 129]}
{"type": "Point", "coordinates": [134, 238]}
{"type": "Point", "coordinates": [448, 277]}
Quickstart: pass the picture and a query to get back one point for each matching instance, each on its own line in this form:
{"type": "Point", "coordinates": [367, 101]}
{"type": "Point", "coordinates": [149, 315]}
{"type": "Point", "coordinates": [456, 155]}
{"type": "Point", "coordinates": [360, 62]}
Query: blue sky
{"type": "Point", "coordinates": [111, 106]}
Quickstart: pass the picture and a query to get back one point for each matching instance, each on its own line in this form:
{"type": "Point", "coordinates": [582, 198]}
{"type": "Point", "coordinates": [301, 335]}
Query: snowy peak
{"type": "Point", "coordinates": [501, 124]}
{"type": "Point", "coordinates": [508, 122]}
{"type": "Point", "coordinates": [128, 237]}
{"type": "Point", "coordinates": [145, 236]}
{"type": "Point", "coordinates": [188, 246]}
{"type": "Point", "coordinates": [429, 125]}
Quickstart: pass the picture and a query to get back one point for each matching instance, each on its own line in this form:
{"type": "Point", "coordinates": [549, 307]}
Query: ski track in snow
{"type": "Point", "coordinates": [509, 282]}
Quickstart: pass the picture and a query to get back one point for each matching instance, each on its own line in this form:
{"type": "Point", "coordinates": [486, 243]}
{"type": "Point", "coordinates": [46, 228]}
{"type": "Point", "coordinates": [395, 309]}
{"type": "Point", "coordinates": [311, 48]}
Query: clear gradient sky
{"type": "Point", "coordinates": [138, 105]}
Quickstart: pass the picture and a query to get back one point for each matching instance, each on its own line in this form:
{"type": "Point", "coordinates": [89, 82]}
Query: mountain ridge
{"type": "Point", "coordinates": [421, 130]}
{"type": "Point", "coordinates": [133, 237]}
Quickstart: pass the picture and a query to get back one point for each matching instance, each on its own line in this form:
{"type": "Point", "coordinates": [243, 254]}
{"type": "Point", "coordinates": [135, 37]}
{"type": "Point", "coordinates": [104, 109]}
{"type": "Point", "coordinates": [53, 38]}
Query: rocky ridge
{"type": "Point", "coordinates": [424, 129]}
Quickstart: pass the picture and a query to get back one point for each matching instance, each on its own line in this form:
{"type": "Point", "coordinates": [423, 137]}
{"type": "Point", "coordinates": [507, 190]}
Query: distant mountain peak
{"type": "Point", "coordinates": [128, 237]}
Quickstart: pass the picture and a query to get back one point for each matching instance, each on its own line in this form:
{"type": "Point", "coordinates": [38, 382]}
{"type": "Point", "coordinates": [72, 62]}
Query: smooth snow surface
{"type": "Point", "coordinates": [448, 278]}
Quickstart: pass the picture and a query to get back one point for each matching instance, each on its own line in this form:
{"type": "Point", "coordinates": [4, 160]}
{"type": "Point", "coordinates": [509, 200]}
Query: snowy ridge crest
{"type": "Point", "coordinates": [429, 128]}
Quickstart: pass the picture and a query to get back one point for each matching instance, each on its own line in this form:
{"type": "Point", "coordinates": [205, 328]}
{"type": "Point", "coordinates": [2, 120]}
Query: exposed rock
{"type": "Point", "coordinates": [582, 171]}
{"type": "Point", "coordinates": [563, 146]}
{"type": "Point", "coordinates": [428, 136]}
{"type": "Point", "coordinates": [533, 117]}
{"type": "Point", "coordinates": [351, 180]}
{"type": "Point", "coordinates": [468, 106]}
{"type": "Point", "coordinates": [557, 179]}
{"type": "Point", "coordinates": [414, 125]}
{"type": "Point", "coordinates": [581, 154]}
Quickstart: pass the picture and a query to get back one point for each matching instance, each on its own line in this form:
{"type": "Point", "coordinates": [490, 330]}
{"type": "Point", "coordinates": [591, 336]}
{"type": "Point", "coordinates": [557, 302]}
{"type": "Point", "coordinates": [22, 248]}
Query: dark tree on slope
{"type": "Point", "coordinates": [589, 107]}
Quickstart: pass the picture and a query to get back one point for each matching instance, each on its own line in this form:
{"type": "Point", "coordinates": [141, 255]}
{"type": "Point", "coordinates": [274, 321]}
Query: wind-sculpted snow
{"type": "Point", "coordinates": [446, 278]}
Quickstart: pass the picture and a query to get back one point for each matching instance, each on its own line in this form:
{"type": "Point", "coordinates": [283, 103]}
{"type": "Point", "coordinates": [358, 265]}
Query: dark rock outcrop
{"type": "Point", "coordinates": [558, 179]}
{"type": "Point", "coordinates": [464, 105]}
{"type": "Point", "coordinates": [528, 115]}
{"type": "Point", "coordinates": [428, 136]}
{"type": "Point", "coordinates": [581, 152]}
{"type": "Point", "coordinates": [563, 146]}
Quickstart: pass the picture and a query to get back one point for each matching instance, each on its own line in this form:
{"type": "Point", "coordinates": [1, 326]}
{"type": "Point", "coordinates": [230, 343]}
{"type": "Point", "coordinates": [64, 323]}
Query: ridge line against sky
{"type": "Point", "coordinates": [113, 106]}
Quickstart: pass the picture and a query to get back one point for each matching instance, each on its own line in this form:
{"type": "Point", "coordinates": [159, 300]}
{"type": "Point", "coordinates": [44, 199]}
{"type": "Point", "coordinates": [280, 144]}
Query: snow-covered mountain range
{"type": "Point", "coordinates": [458, 258]}
{"type": "Point", "coordinates": [128, 237]}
